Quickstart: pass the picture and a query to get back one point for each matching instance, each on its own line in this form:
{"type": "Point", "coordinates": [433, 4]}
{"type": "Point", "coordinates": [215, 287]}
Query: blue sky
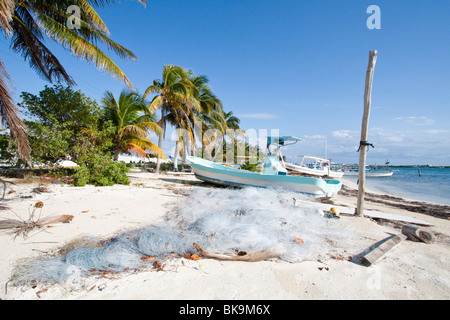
{"type": "Point", "coordinates": [296, 66]}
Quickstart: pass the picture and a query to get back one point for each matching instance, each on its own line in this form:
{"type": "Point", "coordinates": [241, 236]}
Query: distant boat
{"type": "Point", "coordinates": [320, 167]}
{"type": "Point", "coordinates": [374, 173]}
{"type": "Point", "coordinates": [274, 175]}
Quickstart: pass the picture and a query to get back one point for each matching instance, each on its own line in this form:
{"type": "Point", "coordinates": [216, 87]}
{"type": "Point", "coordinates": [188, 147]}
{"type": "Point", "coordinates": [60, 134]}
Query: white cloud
{"type": "Point", "coordinates": [386, 136]}
{"type": "Point", "coordinates": [314, 136]}
{"type": "Point", "coordinates": [437, 131]}
{"type": "Point", "coordinates": [417, 121]}
{"type": "Point", "coordinates": [342, 134]}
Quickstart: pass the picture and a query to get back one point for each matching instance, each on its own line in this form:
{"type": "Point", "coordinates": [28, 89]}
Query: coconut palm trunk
{"type": "Point", "coordinates": [175, 156]}
{"type": "Point", "coordinates": [158, 159]}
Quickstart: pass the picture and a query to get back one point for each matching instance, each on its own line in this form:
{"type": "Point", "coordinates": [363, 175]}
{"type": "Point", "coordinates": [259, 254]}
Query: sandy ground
{"type": "Point", "coordinates": [410, 270]}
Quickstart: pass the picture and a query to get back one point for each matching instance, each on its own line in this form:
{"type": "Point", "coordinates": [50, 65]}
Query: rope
{"type": "Point", "coordinates": [363, 144]}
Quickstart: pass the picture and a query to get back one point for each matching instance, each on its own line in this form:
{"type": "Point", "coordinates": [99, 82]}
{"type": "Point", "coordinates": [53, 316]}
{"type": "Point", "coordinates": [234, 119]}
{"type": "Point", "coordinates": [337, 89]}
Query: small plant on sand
{"type": "Point", "coordinates": [23, 227]}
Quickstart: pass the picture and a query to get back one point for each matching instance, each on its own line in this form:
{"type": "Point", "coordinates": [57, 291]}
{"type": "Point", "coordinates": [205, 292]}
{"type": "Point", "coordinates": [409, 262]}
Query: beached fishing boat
{"type": "Point", "coordinates": [317, 167]}
{"type": "Point", "coordinates": [274, 175]}
{"type": "Point", "coordinates": [309, 166]}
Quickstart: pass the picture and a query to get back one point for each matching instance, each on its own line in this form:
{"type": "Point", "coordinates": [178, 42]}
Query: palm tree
{"type": "Point", "coordinates": [26, 22]}
{"type": "Point", "coordinates": [210, 115]}
{"type": "Point", "coordinates": [231, 120]}
{"type": "Point", "coordinates": [133, 122]}
{"type": "Point", "coordinates": [174, 97]}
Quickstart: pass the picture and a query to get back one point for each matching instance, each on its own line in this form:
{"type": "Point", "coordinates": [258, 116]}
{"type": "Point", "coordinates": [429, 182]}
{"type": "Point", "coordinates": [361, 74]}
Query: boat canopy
{"type": "Point", "coordinates": [281, 141]}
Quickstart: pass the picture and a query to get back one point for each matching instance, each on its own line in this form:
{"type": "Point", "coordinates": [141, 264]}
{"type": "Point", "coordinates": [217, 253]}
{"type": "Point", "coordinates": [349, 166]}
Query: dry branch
{"type": "Point", "coordinates": [22, 227]}
{"type": "Point", "coordinates": [274, 252]}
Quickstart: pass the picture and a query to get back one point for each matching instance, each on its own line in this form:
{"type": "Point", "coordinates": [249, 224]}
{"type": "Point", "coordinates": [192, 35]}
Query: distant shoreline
{"type": "Point", "coordinates": [438, 210]}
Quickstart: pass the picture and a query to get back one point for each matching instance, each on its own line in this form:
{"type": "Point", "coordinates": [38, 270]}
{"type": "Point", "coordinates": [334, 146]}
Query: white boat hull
{"type": "Point", "coordinates": [217, 174]}
{"type": "Point", "coordinates": [316, 172]}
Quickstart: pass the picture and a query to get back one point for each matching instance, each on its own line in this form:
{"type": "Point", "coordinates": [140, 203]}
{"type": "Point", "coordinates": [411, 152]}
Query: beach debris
{"type": "Point", "coordinates": [158, 266]}
{"type": "Point", "coordinates": [242, 225]}
{"type": "Point", "coordinates": [34, 221]}
{"type": "Point", "coordinates": [417, 234]}
{"type": "Point", "coordinates": [377, 250]}
{"type": "Point", "coordinates": [192, 256]}
{"type": "Point", "coordinates": [181, 192]}
{"type": "Point", "coordinates": [274, 252]}
{"type": "Point", "coordinates": [376, 215]}
{"type": "Point", "coordinates": [38, 294]}
{"type": "Point", "coordinates": [146, 258]}
{"type": "Point", "coordinates": [333, 213]}
{"type": "Point", "coordinates": [40, 189]}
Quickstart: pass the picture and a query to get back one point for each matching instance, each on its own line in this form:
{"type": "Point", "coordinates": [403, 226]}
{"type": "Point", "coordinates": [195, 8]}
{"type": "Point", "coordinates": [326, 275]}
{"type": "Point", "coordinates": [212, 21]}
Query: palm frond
{"type": "Point", "coordinates": [6, 14]}
{"type": "Point", "coordinates": [136, 150]}
{"type": "Point", "coordinates": [93, 15]}
{"type": "Point", "coordinates": [95, 35]}
{"type": "Point", "coordinates": [10, 116]}
{"type": "Point", "coordinates": [132, 130]}
{"type": "Point", "coordinates": [156, 103]}
{"type": "Point", "coordinates": [151, 127]}
{"type": "Point", "coordinates": [80, 47]}
{"type": "Point", "coordinates": [26, 41]}
{"type": "Point", "coordinates": [144, 144]}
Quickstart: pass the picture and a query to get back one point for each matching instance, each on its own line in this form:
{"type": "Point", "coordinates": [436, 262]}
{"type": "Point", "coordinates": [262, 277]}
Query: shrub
{"type": "Point", "coordinates": [100, 170]}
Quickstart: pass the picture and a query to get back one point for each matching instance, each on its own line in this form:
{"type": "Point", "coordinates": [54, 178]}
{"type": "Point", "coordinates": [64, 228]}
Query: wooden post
{"type": "Point", "coordinates": [364, 127]}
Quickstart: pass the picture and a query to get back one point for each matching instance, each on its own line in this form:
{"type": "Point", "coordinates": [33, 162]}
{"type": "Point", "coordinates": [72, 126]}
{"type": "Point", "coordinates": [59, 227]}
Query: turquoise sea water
{"type": "Point", "coordinates": [433, 184]}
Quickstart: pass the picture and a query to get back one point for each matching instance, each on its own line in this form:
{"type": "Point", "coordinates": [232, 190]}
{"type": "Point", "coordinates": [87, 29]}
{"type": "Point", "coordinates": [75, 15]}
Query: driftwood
{"type": "Point", "coordinates": [415, 233]}
{"type": "Point", "coordinates": [62, 218]}
{"type": "Point", "coordinates": [274, 252]}
{"type": "Point", "coordinates": [22, 227]}
{"type": "Point", "coordinates": [377, 250]}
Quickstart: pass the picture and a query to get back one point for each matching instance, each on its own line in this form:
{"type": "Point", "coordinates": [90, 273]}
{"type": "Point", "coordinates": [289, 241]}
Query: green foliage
{"type": "Point", "coordinates": [66, 125]}
{"type": "Point", "coordinates": [61, 105]}
{"type": "Point", "coordinates": [7, 146]}
{"type": "Point", "coordinates": [250, 167]}
{"type": "Point", "coordinates": [100, 170]}
{"type": "Point", "coordinates": [62, 124]}
{"type": "Point", "coordinates": [132, 121]}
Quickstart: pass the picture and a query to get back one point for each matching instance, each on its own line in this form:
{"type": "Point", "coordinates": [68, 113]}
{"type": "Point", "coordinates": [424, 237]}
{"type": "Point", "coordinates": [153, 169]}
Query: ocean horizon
{"type": "Point", "coordinates": [432, 185]}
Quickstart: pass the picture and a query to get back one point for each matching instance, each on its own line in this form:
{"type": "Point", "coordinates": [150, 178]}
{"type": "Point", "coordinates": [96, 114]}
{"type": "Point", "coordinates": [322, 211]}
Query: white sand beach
{"type": "Point", "coordinates": [410, 270]}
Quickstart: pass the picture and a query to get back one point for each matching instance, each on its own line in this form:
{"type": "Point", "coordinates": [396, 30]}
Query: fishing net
{"type": "Point", "coordinates": [250, 219]}
{"type": "Point", "coordinates": [224, 221]}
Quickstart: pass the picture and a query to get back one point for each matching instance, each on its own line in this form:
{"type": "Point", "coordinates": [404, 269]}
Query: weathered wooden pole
{"type": "Point", "coordinates": [363, 144]}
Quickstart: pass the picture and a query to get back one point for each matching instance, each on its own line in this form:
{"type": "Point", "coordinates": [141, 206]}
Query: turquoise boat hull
{"type": "Point", "coordinates": [215, 173]}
